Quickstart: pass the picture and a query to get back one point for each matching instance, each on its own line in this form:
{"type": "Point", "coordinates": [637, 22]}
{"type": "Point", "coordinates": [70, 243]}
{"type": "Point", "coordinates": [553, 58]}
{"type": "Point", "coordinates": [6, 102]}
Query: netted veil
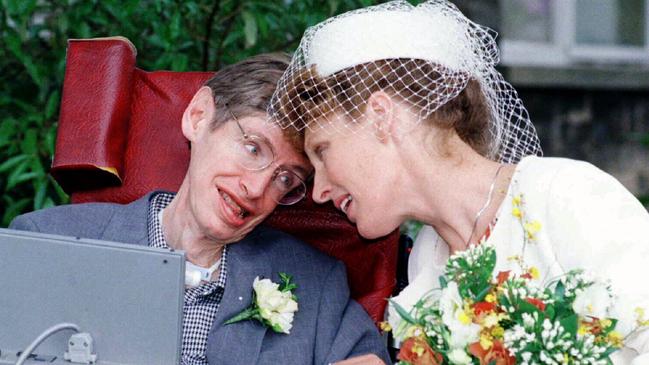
{"type": "Point", "coordinates": [426, 55]}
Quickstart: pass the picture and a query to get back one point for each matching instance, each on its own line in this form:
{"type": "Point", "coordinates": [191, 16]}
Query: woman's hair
{"type": "Point", "coordinates": [439, 63]}
{"type": "Point", "coordinates": [309, 98]}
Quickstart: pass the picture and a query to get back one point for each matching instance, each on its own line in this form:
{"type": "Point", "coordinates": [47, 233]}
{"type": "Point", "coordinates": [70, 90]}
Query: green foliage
{"type": "Point", "coordinates": [169, 34]}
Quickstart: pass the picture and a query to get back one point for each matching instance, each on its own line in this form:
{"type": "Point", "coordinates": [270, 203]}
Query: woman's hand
{"type": "Point", "coordinates": [370, 359]}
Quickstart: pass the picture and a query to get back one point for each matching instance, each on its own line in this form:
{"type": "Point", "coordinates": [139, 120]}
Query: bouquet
{"type": "Point", "coordinates": [481, 317]}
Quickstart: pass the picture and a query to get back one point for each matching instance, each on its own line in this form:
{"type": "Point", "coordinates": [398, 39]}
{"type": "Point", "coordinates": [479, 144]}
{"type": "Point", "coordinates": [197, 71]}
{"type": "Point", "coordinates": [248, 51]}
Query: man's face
{"type": "Point", "coordinates": [226, 200]}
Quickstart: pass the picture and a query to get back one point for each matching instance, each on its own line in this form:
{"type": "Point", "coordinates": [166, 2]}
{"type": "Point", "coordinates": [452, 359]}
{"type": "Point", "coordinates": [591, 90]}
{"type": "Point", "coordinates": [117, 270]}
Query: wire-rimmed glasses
{"type": "Point", "coordinates": [255, 153]}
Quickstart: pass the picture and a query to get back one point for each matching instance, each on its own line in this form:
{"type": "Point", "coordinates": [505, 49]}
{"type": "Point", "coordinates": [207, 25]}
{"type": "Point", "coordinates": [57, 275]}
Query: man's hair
{"type": "Point", "coordinates": [245, 88]}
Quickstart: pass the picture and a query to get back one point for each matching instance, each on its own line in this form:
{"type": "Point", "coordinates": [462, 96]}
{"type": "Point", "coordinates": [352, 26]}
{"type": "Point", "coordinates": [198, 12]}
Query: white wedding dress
{"type": "Point", "coordinates": [588, 220]}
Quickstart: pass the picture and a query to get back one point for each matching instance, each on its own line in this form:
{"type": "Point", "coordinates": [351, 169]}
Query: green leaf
{"type": "Point", "coordinates": [14, 209]}
{"type": "Point", "coordinates": [39, 196]}
{"type": "Point", "coordinates": [286, 284]}
{"type": "Point", "coordinates": [48, 203]}
{"type": "Point", "coordinates": [246, 314]}
{"type": "Point", "coordinates": [13, 161]}
{"type": "Point", "coordinates": [61, 194]}
{"type": "Point", "coordinates": [179, 62]}
{"type": "Point", "coordinates": [52, 105]}
{"type": "Point", "coordinates": [175, 26]}
{"type": "Point", "coordinates": [570, 324]}
{"type": "Point", "coordinates": [15, 179]}
{"type": "Point", "coordinates": [249, 28]}
{"type": "Point", "coordinates": [402, 312]}
{"type": "Point", "coordinates": [549, 311]}
{"type": "Point", "coordinates": [559, 291]}
{"type": "Point", "coordinates": [29, 143]}
{"type": "Point", "coordinates": [483, 293]}
{"type": "Point", "coordinates": [443, 283]}
{"type": "Point", "coordinates": [14, 44]}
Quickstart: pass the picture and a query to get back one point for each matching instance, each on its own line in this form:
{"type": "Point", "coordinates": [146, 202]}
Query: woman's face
{"type": "Point", "coordinates": [356, 171]}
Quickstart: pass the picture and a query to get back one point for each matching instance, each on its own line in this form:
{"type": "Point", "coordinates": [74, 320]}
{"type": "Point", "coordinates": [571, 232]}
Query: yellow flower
{"type": "Point", "coordinates": [463, 317]}
{"type": "Point", "coordinates": [532, 228]}
{"type": "Point", "coordinates": [490, 298]}
{"type": "Point", "coordinates": [534, 272]}
{"type": "Point", "coordinates": [516, 212]}
{"type": "Point", "coordinates": [640, 320]}
{"type": "Point", "coordinates": [486, 341]}
{"type": "Point", "coordinates": [582, 330]}
{"type": "Point", "coordinates": [498, 332]}
{"type": "Point", "coordinates": [418, 349]}
{"type": "Point", "coordinates": [414, 331]}
{"type": "Point", "coordinates": [515, 258]}
{"type": "Point", "coordinates": [516, 201]}
{"type": "Point", "coordinates": [605, 323]}
{"type": "Point", "coordinates": [639, 311]}
{"type": "Point", "coordinates": [615, 339]}
{"type": "Point", "coordinates": [490, 320]}
{"type": "Point", "coordinates": [385, 326]}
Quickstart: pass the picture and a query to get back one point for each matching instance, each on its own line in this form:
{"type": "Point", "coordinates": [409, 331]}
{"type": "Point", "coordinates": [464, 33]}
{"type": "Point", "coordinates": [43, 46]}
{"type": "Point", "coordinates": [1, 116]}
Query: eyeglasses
{"type": "Point", "coordinates": [254, 153]}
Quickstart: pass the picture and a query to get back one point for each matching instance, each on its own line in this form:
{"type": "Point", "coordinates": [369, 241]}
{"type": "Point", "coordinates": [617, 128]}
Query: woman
{"type": "Point", "coordinates": [406, 117]}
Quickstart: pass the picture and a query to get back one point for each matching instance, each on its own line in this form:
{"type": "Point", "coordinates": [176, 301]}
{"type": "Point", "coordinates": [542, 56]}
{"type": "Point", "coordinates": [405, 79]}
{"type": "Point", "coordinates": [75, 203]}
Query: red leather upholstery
{"type": "Point", "coordinates": [119, 137]}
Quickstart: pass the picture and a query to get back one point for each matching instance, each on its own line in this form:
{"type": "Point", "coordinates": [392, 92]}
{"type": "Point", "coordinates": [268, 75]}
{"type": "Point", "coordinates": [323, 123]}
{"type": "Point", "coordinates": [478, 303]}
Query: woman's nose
{"type": "Point", "coordinates": [321, 188]}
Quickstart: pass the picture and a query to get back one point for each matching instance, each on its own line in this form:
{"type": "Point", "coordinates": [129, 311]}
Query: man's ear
{"type": "Point", "coordinates": [380, 111]}
{"type": "Point", "coordinates": [199, 114]}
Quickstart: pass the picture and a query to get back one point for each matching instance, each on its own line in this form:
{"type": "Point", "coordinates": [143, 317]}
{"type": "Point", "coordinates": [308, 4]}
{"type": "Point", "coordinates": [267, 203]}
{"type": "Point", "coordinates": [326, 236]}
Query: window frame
{"type": "Point", "coordinates": [563, 50]}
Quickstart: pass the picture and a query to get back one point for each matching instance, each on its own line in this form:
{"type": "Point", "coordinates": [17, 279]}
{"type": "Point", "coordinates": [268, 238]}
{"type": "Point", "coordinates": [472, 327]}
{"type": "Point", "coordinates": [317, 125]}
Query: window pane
{"type": "Point", "coordinates": [527, 20]}
{"type": "Point", "coordinates": [611, 22]}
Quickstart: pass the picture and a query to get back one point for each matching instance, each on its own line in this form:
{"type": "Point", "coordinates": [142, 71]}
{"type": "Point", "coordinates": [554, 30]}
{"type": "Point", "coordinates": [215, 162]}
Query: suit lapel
{"type": "Point", "coordinates": [239, 343]}
{"type": "Point", "coordinates": [129, 224]}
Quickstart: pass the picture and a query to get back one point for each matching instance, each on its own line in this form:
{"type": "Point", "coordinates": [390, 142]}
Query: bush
{"type": "Point", "coordinates": [174, 35]}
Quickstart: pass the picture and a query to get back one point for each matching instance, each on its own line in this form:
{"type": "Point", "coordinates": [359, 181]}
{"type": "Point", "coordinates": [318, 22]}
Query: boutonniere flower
{"type": "Point", "coordinates": [272, 304]}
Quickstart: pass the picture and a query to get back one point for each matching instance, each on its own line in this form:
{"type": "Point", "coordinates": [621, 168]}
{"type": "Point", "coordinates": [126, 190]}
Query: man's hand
{"type": "Point", "coordinates": [370, 359]}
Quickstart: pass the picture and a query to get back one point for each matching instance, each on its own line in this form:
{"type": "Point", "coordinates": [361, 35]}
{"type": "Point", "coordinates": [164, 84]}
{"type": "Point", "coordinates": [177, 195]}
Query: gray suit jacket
{"type": "Point", "coordinates": [328, 326]}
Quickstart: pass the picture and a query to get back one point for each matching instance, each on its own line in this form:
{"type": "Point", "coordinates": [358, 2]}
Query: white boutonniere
{"type": "Point", "coordinates": [272, 304]}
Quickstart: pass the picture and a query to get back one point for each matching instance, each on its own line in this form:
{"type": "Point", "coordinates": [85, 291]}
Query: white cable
{"type": "Point", "coordinates": [42, 337]}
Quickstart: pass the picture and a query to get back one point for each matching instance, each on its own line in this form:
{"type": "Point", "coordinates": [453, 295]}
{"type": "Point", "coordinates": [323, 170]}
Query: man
{"type": "Point", "coordinates": [240, 168]}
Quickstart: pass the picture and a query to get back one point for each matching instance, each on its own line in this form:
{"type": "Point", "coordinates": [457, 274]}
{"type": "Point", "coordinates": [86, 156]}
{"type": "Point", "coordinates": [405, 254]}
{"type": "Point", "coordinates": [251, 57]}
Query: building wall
{"type": "Point", "coordinates": [608, 128]}
{"type": "Point", "coordinates": [596, 112]}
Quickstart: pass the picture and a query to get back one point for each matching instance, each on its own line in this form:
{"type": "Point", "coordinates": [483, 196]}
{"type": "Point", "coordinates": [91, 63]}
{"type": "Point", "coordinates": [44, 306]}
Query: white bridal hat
{"type": "Point", "coordinates": [426, 54]}
{"type": "Point", "coordinates": [385, 34]}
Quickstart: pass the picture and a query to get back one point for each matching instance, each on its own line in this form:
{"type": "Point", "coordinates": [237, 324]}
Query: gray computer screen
{"type": "Point", "coordinates": [129, 298]}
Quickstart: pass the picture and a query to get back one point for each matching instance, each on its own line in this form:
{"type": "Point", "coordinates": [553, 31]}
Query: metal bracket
{"type": "Point", "coordinates": [80, 349]}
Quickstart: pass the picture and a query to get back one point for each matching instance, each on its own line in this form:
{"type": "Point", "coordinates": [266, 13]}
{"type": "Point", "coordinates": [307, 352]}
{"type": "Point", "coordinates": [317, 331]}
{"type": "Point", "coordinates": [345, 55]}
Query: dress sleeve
{"type": "Point", "coordinates": [596, 224]}
{"type": "Point", "coordinates": [344, 328]}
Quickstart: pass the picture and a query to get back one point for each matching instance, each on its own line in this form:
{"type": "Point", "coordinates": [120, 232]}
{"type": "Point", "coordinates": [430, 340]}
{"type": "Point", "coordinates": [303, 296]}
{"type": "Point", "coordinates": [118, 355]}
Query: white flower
{"type": "Point", "coordinates": [593, 301]}
{"type": "Point", "coordinates": [459, 357]}
{"type": "Point", "coordinates": [275, 306]}
{"type": "Point", "coordinates": [624, 311]}
{"type": "Point", "coordinates": [463, 330]}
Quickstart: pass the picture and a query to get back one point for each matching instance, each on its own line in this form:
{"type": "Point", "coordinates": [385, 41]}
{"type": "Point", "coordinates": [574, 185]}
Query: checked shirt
{"type": "Point", "coordinates": [201, 302]}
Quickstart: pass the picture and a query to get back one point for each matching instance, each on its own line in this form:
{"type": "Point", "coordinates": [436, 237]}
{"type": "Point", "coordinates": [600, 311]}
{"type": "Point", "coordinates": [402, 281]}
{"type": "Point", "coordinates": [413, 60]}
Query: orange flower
{"type": "Point", "coordinates": [497, 354]}
{"type": "Point", "coordinates": [502, 276]}
{"type": "Point", "coordinates": [483, 307]}
{"type": "Point", "coordinates": [537, 303]}
{"type": "Point", "coordinates": [416, 351]}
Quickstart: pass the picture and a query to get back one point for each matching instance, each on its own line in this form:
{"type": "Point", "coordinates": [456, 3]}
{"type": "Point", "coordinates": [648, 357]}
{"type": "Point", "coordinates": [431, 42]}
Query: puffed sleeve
{"type": "Point", "coordinates": [344, 328]}
{"type": "Point", "coordinates": [596, 224]}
